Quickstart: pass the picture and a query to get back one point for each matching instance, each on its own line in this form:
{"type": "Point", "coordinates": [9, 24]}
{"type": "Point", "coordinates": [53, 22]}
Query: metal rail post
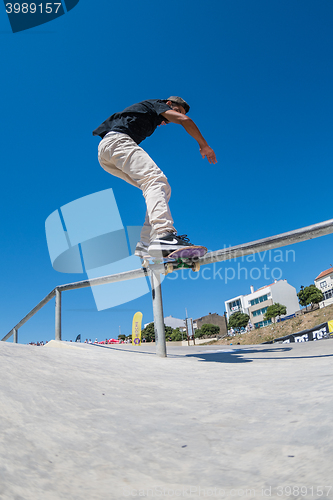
{"type": "Point", "coordinates": [58, 314]}
{"type": "Point", "coordinates": [158, 314]}
{"type": "Point", "coordinates": [15, 333]}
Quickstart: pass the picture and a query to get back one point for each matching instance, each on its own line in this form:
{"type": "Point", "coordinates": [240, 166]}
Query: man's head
{"type": "Point", "coordinates": [178, 104]}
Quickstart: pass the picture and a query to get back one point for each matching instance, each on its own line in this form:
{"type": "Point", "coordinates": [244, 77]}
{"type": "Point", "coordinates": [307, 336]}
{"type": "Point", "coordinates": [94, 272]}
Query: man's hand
{"type": "Point", "coordinates": [191, 128]}
{"type": "Point", "coordinates": [207, 152]}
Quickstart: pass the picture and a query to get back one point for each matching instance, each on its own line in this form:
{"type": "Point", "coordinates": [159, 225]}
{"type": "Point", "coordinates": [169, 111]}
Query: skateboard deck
{"type": "Point", "coordinates": [186, 257]}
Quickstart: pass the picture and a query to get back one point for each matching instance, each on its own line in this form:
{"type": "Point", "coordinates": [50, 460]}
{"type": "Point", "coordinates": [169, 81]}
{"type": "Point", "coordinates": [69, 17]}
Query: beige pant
{"type": "Point", "coordinates": [119, 155]}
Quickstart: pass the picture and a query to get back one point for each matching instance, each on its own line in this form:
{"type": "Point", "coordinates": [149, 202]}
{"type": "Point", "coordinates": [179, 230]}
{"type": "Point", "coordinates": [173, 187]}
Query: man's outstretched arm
{"type": "Point", "coordinates": [192, 129]}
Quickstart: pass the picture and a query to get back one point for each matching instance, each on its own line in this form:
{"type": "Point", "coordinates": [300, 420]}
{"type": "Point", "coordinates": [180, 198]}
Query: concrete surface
{"type": "Point", "coordinates": [98, 422]}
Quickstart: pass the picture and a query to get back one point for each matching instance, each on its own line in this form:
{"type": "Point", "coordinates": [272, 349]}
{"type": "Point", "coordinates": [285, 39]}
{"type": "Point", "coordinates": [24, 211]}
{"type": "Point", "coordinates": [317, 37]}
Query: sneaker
{"type": "Point", "coordinates": [164, 245]}
{"type": "Point", "coordinates": [141, 250]}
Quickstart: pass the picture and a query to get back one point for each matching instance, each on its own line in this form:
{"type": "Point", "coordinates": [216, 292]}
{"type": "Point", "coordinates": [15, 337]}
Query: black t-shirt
{"type": "Point", "coordinates": [138, 121]}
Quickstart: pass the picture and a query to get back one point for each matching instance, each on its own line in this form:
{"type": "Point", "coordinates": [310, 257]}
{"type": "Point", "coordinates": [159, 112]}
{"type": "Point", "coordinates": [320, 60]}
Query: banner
{"type": "Point", "coordinates": [316, 333]}
{"type": "Point", "coordinates": [330, 326]}
{"type": "Point", "coordinates": [136, 328]}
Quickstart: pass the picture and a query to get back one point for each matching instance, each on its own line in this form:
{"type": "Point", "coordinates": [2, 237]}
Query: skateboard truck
{"type": "Point", "coordinates": [183, 258]}
{"type": "Point", "coordinates": [181, 264]}
{"type": "Point", "coordinates": [169, 267]}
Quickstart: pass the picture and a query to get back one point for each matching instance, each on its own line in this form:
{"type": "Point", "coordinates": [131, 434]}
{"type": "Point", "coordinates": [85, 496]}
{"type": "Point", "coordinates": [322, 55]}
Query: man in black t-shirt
{"type": "Point", "coordinates": [119, 154]}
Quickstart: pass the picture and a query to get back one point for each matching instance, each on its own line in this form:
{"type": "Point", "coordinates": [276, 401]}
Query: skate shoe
{"type": "Point", "coordinates": [164, 245]}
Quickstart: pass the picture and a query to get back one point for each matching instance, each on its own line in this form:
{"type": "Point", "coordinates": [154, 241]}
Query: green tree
{"type": "Point", "coordinates": [121, 337]}
{"type": "Point", "coordinates": [238, 320]}
{"type": "Point", "coordinates": [207, 330]}
{"type": "Point", "coordinates": [275, 310]}
{"type": "Point", "coordinates": [177, 335]}
{"type": "Point", "coordinates": [210, 330]}
{"type": "Point", "coordinates": [310, 295]}
{"type": "Point", "coordinates": [149, 333]}
{"type": "Point", "coordinates": [198, 333]}
{"type": "Point", "coordinates": [168, 332]}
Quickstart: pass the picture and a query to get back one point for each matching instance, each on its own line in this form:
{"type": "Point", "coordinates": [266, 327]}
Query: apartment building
{"type": "Point", "coordinates": [255, 304]}
{"type": "Point", "coordinates": [325, 284]}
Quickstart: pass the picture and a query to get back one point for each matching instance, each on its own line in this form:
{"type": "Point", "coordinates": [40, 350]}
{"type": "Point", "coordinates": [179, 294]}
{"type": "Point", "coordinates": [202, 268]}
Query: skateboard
{"type": "Point", "coordinates": [186, 257]}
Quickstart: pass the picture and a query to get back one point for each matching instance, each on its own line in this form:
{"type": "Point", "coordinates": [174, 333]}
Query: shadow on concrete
{"type": "Point", "coordinates": [220, 355]}
{"type": "Point", "coordinates": [237, 355]}
{"type": "Point", "coordinates": [216, 356]}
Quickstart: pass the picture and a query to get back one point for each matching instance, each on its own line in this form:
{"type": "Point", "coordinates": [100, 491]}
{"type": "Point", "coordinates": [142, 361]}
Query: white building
{"type": "Point", "coordinates": [173, 322]}
{"type": "Point", "coordinates": [237, 304]}
{"type": "Point", "coordinates": [255, 304]}
{"type": "Point", "coordinates": [325, 284]}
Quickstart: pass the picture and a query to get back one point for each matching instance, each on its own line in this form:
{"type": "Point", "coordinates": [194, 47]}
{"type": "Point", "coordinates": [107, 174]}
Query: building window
{"type": "Point", "coordinates": [328, 294]}
{"type": "Point", "coordinates": [262, 323]}
{"type": "Point", "coordinates": [323, 284]}
{"type": "Point", "coordinates": [263, 298]}
{"type": "Point", "coordinates": [235, 305]}
{"type": "Point", "coordinates": [258, 312]}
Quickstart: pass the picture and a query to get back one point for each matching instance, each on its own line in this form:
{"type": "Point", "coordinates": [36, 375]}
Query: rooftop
{"type": "Point", "coordinates": [324, 273]}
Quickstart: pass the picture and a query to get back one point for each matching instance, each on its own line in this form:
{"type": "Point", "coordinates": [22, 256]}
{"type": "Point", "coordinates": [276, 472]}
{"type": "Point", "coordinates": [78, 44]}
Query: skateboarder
{"type": "Point", "coordinates": [119, 154]}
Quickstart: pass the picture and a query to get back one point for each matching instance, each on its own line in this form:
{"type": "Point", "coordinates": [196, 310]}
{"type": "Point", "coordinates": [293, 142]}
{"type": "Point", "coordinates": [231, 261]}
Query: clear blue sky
{"type": "Point", "coordinates": [258, 76]}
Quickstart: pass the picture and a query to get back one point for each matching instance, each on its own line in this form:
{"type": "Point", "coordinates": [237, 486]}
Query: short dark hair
{"type": "Point", "coordinates": [178, 100]}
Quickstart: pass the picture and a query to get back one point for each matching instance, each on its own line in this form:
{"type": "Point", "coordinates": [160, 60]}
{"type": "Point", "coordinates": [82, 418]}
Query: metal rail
{"type": "Point", "coordinates": [155, 270]}
{"type": "Point", "coordinates": [280, 240]}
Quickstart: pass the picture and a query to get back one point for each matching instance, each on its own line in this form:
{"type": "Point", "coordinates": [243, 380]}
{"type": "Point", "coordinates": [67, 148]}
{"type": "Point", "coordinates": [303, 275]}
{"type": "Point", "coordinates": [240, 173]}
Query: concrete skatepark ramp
{"type": "Point", "coordinates": [93, 422]}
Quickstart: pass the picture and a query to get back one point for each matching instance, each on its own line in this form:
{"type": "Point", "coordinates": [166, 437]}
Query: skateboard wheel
{"type": "Point", "coordinates": [196, 267]}
{"type": "Point", "coordinates": [169, 268]}
{"type": "Point", "coordinates": [145, 263]}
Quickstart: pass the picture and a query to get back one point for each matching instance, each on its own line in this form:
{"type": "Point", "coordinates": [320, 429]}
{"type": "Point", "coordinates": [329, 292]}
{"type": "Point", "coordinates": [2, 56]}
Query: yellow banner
{"type": "Point", "coordinates": [136, 328]}
{"type": "Point", "coordinates": [330, 326]}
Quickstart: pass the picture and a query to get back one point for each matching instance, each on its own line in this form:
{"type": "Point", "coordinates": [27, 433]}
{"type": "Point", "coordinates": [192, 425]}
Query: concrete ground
{"type": "Point", "coordinates": [100, 422]}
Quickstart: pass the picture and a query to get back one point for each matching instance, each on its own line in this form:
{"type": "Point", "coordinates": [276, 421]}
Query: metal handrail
{"type": "Point", "coordinates": [277, 241]}
{"type": "Point", "coordinates": [154, 271]}
{"type": "Point", "coordinates": [29, 315]}
{"type": "Point", "coordinates": [138, 273]}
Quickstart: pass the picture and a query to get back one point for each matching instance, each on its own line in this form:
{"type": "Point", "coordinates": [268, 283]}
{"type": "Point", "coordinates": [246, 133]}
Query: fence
{"type": "Point", "coordinates": [154, 271]}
